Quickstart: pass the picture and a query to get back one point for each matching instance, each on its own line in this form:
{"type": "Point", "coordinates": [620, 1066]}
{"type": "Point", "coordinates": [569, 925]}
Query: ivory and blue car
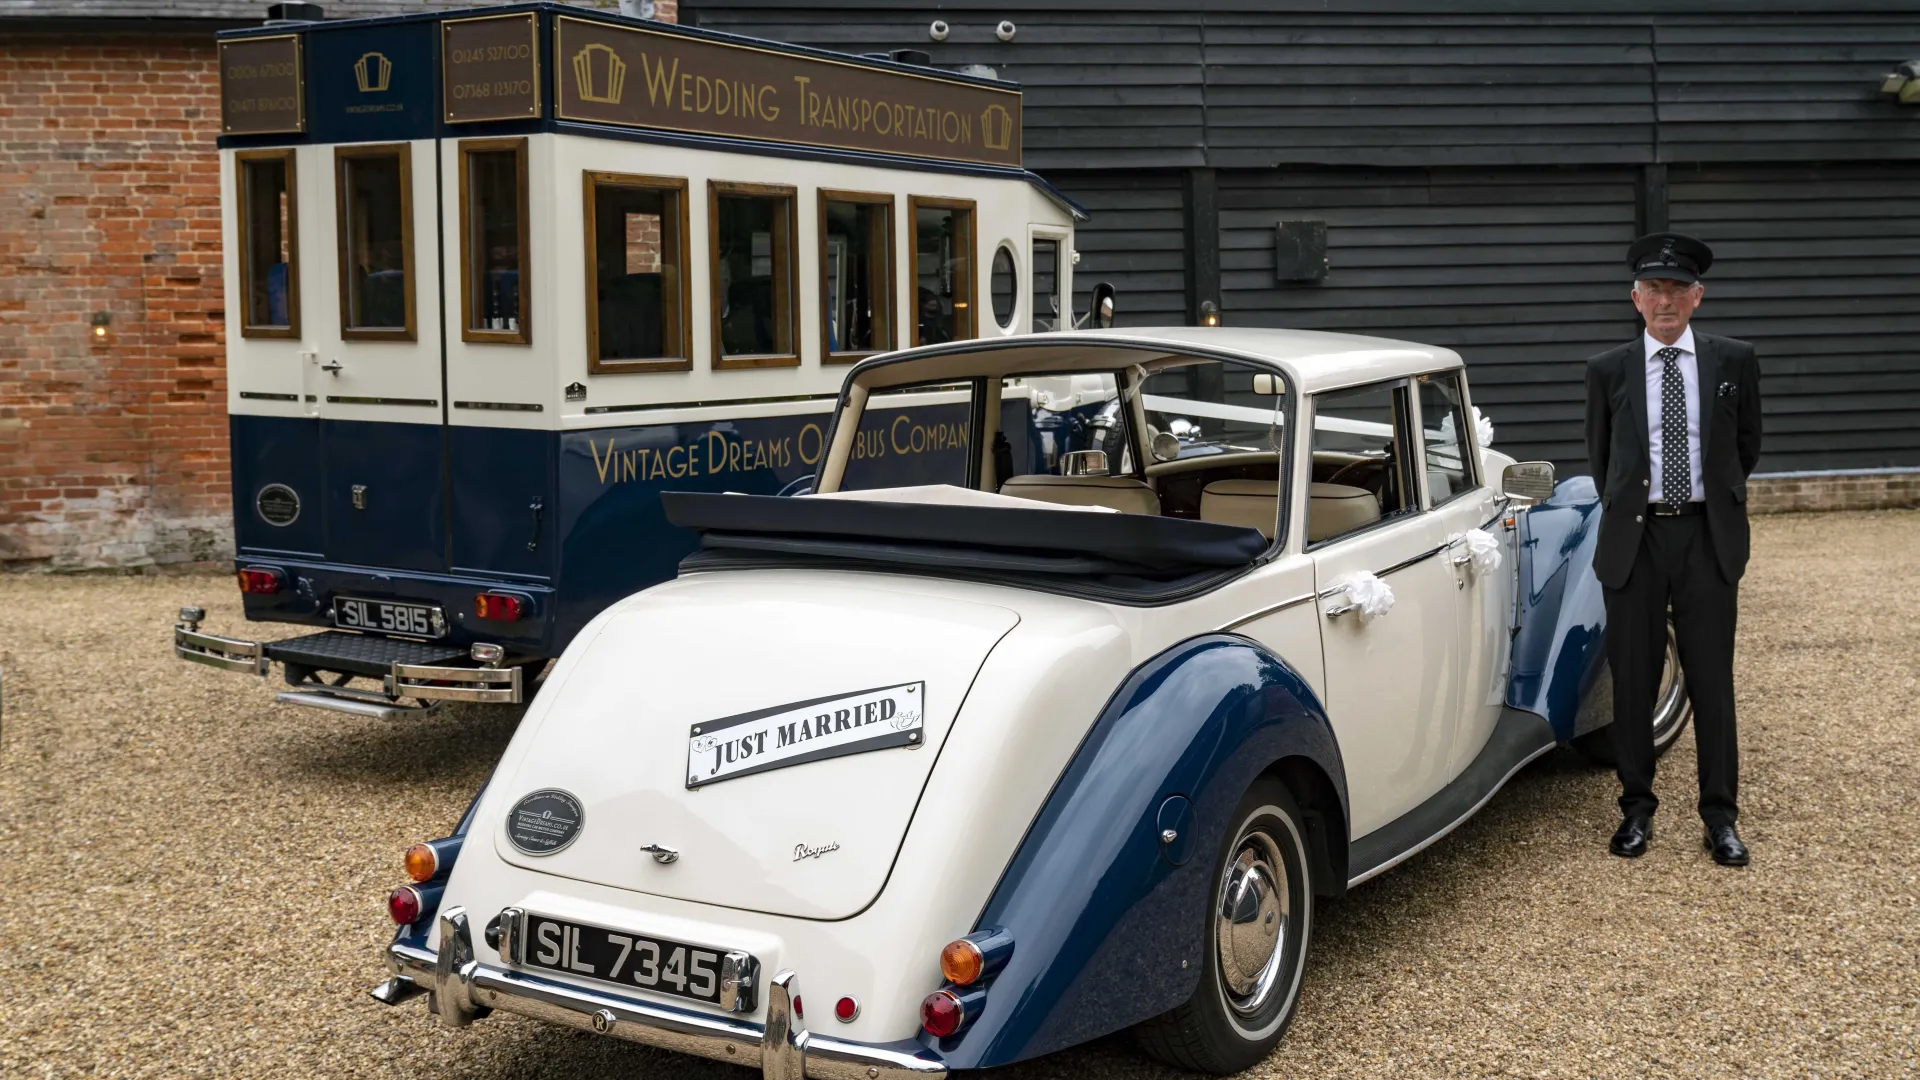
{"type": "Point", "coordinates": [890, 782]}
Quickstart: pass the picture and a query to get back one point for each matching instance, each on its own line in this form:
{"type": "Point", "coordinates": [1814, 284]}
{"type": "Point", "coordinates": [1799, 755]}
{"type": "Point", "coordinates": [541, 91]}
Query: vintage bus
{"type": "Point", "coordinates": [498, 278]}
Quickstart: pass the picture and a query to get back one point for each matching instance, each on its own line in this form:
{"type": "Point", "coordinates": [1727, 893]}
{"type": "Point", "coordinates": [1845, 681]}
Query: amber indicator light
{"type": "Point", "coordinates": [961, 962]}
{"type": "Point", "coordinates": [422, 862]}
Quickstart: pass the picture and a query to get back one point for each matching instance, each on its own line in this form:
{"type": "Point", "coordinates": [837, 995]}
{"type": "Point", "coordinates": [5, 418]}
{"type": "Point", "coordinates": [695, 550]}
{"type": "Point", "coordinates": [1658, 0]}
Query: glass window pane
{"type": "Point", "coordinates": [1449, 464]}
{"type": "Point", "coordinates": [637, 273]}
{"type": "Point", "coordinates": [1357, 444]}
{"type": "Point", "coordinates": [376, 255]}
{"type": "Point", "coordinates": [912, 437]}
{"type": "Point", "coordinates": [269, 240]}
{"type": "Point", "coordinates": [755, 299]}
{"type": "Point", "coordinates": [1044, 418]}
{"type": "Point", "coordinates": [942, 274]}
{"type": "Point", "coordinates": [1046, 286]}
{"type": "Point", "coordinates": [1003, 285]}
{"type": "Point", "coordinates": [494, 199]}
{"type": "Point", "coordinates": [853, 280]}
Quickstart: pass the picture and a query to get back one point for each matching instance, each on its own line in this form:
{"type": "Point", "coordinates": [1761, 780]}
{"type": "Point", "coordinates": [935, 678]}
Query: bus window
{"type": "Point", "coordinates": [753, 274]}
{"type": "Point", "coordinates": [374, 201]}
{"type": "Point", "coordinates": [1046, 286]}
{"type": "Point", "coordinates": [856, 274]}
{"type": "Point", "coordinates": [637, 313]}
{"type": "Point", "coordinates": [1003, 286]}
{"type": "Point", "coordinates": [494, 285]}
{"type": "Point", "coordinates": [942, 259]}
{"type": "Point", "coordinates": [269, 244]}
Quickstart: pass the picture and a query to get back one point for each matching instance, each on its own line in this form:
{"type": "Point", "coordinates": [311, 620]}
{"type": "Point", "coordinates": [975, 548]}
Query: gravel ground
{"type": "Point", "coordinates": [195, 877]}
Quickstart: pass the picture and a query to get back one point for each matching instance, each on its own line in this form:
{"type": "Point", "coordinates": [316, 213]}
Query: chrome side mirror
{"type": "Point", "coordinates": [1528, 482]}
{"type": "Point", "coordinates": [1165, 446]}
{"type": "Point", "coordinates": [1100, 314]}
{"type": "Point", "coordinates": [1084, 463]}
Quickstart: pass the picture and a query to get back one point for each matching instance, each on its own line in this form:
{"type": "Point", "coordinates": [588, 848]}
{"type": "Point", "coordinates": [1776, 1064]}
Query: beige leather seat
{"type": "Point", "coordinates": [1122, 493]}
{"type": "Point", "coordinates": [1252, 504]}
{"type": "Point", "coordinates": [1333, 509]}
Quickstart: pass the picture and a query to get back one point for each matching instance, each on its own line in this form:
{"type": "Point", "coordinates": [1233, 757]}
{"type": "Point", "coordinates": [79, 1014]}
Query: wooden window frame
{"type": "Point", "coordinates": [524, 335]}
{"type": "Point", "coordinates": [245, 217]}
{"type": "Point", "coordinates": [862, 198]}
{"type": "Point", "coordinates": [930, 202]}
{"type": "Point", "coordinates": [342, 155]}
{"type": "Point", "coordinates": [716, 190]}
{"type": "Point", "coordinates": [681, 326]}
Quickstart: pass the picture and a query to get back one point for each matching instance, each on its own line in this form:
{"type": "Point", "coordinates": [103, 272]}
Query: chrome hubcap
{"type": "Point", "coordinates": [1250, 930]}
{"type": "Point", "coordinates": [1671, 707]}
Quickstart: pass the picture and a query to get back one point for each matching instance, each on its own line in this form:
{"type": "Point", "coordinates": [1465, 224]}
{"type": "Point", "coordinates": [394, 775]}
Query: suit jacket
{"type": "Point", "coordinates": [1729, 386]}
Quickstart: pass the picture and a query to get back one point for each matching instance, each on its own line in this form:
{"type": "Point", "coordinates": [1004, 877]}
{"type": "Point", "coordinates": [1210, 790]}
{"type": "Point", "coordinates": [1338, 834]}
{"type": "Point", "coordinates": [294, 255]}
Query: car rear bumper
{"type": "Point", "coordinates": [460, 990]}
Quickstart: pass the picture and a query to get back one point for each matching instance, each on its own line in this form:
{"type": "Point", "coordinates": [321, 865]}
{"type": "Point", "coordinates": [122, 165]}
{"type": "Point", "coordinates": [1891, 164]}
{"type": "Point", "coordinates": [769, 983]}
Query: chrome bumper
{"type": "Point", "coordinates": [487, 685]}
{"type": "Point", "coordinates": [481, 685]}
{"type": "Point", "coordinates": [460, 990]}
{"type": "Point", "coordinates": [227, 654]}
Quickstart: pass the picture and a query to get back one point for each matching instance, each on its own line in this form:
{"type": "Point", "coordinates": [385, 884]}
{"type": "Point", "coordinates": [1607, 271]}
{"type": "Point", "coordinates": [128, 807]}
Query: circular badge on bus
{"type": "Point", "coordinates": [544, 822]}
{"type": "Point", "coordinates": [277, 504]}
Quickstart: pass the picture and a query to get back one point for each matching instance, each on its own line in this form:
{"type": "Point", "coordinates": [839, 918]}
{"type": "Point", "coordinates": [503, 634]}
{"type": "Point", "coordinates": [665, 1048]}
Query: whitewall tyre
{"type": "Point", "coordinates": [1257, 928]}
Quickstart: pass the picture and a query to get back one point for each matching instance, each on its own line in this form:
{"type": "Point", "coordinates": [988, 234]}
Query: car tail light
{"type": "Point", "coordinates": [942, 1014]}
{"type": "Point", "coordinates": [498, 607]}
{"type": "Point", "coordinates": [422, 863]}
{"type": "Point", "coordinates": [965, 961]}
{"type": "Point", "coordinates": [259, 579]}
{"type": "Point", "coordinates": [405, 905]}
{"type": "Point", "coordinates": [845, 1010]}
{"type": "Point", "coordinates": [798, 1012]}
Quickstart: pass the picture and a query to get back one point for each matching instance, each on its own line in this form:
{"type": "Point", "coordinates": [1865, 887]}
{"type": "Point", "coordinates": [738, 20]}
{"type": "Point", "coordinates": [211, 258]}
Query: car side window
{"type": "Point", "coordinates": [1360, 463]}
{"type": "Point", "coordinates": [1446, 444]}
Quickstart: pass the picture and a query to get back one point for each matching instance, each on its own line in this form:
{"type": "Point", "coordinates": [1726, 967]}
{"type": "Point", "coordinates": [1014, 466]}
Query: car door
{"type": "Point", "coordinates": [1392, 678]}
{"type": "Point", "coordinates": [1461, 499]}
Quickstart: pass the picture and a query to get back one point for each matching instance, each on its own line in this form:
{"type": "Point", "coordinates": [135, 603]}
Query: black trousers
{"type": "Point", "coordinates": [1675, 567]}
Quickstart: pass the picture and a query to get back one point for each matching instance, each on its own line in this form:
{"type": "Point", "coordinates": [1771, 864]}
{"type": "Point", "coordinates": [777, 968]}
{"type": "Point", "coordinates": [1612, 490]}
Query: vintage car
{"type": "Point", "coordinates": [1067, 744]}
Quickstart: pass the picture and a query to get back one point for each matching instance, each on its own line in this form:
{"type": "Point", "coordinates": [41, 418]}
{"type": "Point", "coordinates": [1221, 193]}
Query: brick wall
{"type": "Point", "coordinates": [1863, 489]}
{"type": "Point", "coordinates": [112, 448]}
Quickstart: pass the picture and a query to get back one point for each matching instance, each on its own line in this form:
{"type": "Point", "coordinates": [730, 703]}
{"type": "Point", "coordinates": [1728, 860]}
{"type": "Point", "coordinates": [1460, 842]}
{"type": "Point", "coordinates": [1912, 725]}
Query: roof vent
{"type": "Point", "coordinates": [284, 13]}
{"type": "Point", "coordinates": [917, 57]}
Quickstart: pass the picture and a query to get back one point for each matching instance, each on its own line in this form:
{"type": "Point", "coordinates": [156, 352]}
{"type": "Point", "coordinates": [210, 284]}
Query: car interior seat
{"type": "Point", "coordinates": [1122, 493]}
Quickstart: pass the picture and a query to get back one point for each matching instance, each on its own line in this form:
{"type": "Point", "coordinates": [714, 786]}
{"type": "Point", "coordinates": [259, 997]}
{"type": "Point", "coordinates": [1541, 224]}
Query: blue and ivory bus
{"type": "Point", "coordinates": [497, 278]}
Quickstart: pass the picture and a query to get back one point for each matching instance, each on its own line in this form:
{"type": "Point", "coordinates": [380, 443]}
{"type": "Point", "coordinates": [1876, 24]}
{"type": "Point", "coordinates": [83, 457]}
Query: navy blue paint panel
{"type": "Point", "coordinates": [614, 538]}
{"type": "Point", "coordinates": [312, 586]}
{"type": "Point", "coordinates": [499, 474]}
{"type": "Point", "coordinates": [1561, 648]}
{"type": "Point", "coordinates": [403, 525]}
{"type": "Point", "coordinates": [276, 450]}
{"type": "Point", "coordinates": [1106, 932]}
{"type": "Point", "coordinates": [388, 97]}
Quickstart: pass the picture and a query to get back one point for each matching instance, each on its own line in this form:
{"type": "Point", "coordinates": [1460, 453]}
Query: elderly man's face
{"type": "Point", "coordinates": [1666, 306]}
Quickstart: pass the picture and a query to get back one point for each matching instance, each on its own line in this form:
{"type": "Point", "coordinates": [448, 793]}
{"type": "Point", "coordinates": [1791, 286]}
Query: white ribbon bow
{"type": "Point", "coordinates": [1483, 548]}
{"type": "Point", "coordinates": [1364, 591]}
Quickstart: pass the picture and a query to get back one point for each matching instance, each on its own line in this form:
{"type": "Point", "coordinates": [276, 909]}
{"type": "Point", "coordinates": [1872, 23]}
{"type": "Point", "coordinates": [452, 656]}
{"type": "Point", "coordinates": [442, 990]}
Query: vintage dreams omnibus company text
{"type": "Point", "coordinates": [716, 452]}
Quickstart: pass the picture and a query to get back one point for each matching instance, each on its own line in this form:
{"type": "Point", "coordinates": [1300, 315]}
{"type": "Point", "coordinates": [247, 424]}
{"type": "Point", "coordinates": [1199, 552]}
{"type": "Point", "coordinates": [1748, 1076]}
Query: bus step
{"type": "Point", "coordinates": [361, 654]}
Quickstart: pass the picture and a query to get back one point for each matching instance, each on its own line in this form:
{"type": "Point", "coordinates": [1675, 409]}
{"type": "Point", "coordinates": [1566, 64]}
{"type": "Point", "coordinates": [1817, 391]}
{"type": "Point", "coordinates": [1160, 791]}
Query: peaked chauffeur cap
{"type": "Point", "coordinates": [1669, 255]}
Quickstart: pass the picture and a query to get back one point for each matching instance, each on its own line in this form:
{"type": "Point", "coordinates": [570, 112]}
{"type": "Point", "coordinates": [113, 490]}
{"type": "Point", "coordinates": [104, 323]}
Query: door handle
{"type": "Point", "coordinates": [1344, 609]}
{"type": "Point", "coordinates": [332, 367]}
{"type": "Point", "coordinates": [533, 542]}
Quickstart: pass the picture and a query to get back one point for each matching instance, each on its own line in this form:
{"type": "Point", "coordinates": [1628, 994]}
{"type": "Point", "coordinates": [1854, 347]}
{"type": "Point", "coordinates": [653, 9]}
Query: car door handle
{"type": "Point", "coordinates": [332, 367]}
{"type": "Point", "coordinates": [1344, 609]}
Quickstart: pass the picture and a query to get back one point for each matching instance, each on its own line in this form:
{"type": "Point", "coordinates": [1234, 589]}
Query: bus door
{"type": "Point", "coordinates": [374, 376]}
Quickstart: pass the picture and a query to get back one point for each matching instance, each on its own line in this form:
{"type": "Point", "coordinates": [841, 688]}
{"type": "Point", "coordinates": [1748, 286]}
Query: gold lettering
{"type": "Point", "coordinates": [686, 91]}
{"type": "Point", "coordinates": [599, 465]}
{"type": "Point", "coordinates": [659, 465]}
{"type": "Point", "coordinates": [720, 109]}
{"type": "Point", "coordinates": [766, 111]}
{"type": "Point", "coordinates": [806, 107]}
{"type": "Point", "coordinates": [702, 93]}
{"type": "Point", "coordinates": [819, 443]}
{"type": "Point", "coordinates": [715, 459]}
{"type": "Point", "coordinates": [659, 80]}
{"type": "Point", "coordinates": [676, 470]}
{"type": "Point", "coordinates": [951, 121]}
{"type": "Point", "coordinates": [893, 434]}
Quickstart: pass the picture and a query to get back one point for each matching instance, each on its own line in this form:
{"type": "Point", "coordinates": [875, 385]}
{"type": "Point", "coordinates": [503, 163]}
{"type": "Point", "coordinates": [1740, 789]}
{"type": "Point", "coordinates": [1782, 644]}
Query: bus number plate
{"type": "Point", "coordinates": [384, 617]}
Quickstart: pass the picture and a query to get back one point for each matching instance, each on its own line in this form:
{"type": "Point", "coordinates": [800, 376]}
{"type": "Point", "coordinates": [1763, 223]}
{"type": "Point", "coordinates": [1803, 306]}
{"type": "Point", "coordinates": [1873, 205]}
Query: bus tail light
{"type": "Point", "coordinates": [498, 607]}
{"type": "Point", "coordinates": [259, 580]}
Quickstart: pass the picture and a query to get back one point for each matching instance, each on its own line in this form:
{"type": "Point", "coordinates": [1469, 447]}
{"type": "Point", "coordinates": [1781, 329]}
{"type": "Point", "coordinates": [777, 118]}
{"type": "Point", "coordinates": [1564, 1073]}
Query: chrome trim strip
{"type": "Point", "coordinates": [260, 395]}
{"type": "Point", "coordinates": [1262, 613]}
{"type": "Point", "coordinates": [597, 410]}
{"type": "Point", "coordinates": [335, 399]}
{"type": "Point", "coordinates": [1404, 563]}
{"type": "Point", "coordinates": [353, 706]}
{"type": "Point", "coordinates": [473, 985]}
{"type": "Point", "coordinates": [501, 406]}
{"type": "Point", "coordinates": [1457, 822]}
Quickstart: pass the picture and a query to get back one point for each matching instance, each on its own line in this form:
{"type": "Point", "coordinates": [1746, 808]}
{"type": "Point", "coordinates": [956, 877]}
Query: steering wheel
{"type": "Point", "coordinates": [1352, 465]}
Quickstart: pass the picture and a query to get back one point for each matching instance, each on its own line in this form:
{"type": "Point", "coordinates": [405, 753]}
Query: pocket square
{"type": "Point", "coordinates": [1727, 389]}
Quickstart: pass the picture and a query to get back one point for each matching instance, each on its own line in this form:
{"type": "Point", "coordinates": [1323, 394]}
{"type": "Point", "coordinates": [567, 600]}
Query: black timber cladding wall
{"type": "Point", "coordinates": [1519, 270]}
{"type": "Point", "coordinates": [1819, 267]}
{"type": "Point", "coordinates": [1485, 156]}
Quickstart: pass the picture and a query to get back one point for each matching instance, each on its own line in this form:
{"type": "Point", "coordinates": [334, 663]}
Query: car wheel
{"type": "Point", "coordinates": [1256, 943]}
{"type": "Point", "coordinates": [1671, 711]}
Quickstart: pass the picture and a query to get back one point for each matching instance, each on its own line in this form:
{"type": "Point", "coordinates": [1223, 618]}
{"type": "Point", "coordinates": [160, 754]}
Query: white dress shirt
{"type": "Point", "coordinates": [1690, 375]}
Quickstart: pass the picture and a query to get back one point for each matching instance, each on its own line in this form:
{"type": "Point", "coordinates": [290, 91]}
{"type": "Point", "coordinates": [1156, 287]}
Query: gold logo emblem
{"type": "Point", "coordinates": [372, 71]}
{"type": "Point", "coordinates": [609, 79]}
{"type": "Point", "coordinates": [996, 128]}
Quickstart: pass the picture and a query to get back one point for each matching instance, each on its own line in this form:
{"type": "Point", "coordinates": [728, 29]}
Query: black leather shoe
{"type": "Point", "coordinates": [1630, 840]}
{"type": "Point", "coordinates": [1725, 844]}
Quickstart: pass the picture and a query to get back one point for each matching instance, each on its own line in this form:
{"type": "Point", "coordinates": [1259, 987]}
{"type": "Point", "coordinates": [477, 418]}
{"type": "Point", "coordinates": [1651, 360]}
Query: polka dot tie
{"type": "Point", "coordinates": [1676, 474]}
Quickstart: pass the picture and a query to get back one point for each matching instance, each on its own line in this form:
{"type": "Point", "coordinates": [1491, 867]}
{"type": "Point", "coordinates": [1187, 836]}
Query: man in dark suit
{"type": "Point", "coordinates": [1673, 430]}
